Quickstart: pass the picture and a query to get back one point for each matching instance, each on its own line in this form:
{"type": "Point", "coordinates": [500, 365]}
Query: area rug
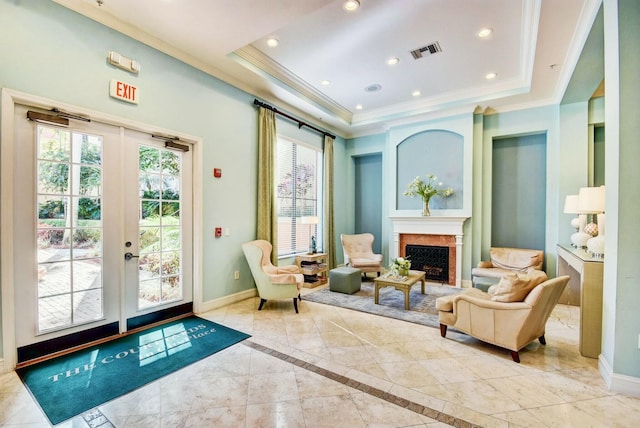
{"type": "Point", "coordinates": [421, 306]}
{"type": "Point", "coordinates": [71, 384]}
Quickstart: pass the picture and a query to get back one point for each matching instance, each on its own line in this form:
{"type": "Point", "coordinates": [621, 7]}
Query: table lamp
{"type": "Point", "coordinates": [571, 206]}
{"type": "Point", "coordinates": [591, 201]}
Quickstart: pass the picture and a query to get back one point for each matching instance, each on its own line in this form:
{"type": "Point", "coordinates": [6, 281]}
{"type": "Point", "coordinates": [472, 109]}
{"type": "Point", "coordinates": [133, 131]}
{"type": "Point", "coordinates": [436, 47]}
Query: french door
{"type": "Point", "coordinates": [102, 231]}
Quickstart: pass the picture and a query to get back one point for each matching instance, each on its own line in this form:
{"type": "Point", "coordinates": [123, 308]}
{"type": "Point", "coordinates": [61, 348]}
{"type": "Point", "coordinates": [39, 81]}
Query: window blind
{"type": "Point", "coordinates": [297, 189]}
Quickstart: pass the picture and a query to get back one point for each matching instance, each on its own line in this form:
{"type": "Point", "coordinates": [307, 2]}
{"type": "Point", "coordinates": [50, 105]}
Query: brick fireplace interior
{"type": "Point", "coordinates": [432, 240]}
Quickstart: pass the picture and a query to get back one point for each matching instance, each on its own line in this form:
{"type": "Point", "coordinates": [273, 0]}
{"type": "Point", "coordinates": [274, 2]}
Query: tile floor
{"type": "Point", "coordinates": [332, 367]}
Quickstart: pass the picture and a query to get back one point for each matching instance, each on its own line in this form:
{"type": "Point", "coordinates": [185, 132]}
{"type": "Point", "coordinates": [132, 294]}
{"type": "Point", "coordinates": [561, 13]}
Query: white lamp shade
{"type": "Point", "coordinates": [591, 200]}
{"type": "Point", "coordinates": [309, 220]}
{"type": "Point", "coordinates": [571, 204]}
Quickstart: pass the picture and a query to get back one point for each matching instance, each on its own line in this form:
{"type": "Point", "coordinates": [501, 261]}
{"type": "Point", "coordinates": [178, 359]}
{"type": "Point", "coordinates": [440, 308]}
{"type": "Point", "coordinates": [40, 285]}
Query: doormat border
{"type": "Point", "coordinates": [156, 352]}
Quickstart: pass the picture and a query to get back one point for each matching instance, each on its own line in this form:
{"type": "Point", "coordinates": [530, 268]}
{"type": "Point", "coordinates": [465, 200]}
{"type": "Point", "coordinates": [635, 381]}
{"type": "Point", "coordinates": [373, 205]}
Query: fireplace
{"type": "Point", "coordinates": [431, 259]}
{"type": "Point", "coordinates": [432, 231]}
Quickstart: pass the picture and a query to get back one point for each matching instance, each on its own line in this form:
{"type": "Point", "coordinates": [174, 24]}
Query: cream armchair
{"type": "Point", "coordinates": [496, 319]}
{"type": "Point", "coordinates": [272, 282]}
{"type": "Point", "coordinates": [503, 261]}
{"type": "Point", "coordinates": [358, 253]}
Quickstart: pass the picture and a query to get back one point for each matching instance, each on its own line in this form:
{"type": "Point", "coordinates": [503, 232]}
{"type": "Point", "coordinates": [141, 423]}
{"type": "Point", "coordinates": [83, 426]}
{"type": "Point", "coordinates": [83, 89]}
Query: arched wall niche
{"type": "Point", "coordinates": [443, 148]}
{"type": "Point", "coordinates": [438, 152]}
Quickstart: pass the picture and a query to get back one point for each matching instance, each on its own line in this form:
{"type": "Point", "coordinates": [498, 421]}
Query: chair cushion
{"type": "Point", "coordinates": [514, 287]}
{"type": "Point", "coordinates": [516, 258]}
{"type": "Point", "coordinates": [362, 262]}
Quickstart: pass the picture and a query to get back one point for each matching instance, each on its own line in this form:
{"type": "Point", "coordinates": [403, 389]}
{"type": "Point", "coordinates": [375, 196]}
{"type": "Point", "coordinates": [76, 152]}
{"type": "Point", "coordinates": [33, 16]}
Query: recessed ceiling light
{"type": "Point", "coordinates": [485, 32]}
{"type": "Point", "coordinates": [359, 107]}
{"type": "Point", "coordinates": [351, 5]}
{"type": "Point", "coordinates": [325, 82]}
{"type": "Point", "coordinates": [373, 88]}
{"type": "Point", "coordinates": [273, 42]}
{"type": "Point", "coordinates": [393, 61]}
{"type": "Point", "coordinates": [490, 76]}
{"type": "Point", "coordinates": [416, 93]}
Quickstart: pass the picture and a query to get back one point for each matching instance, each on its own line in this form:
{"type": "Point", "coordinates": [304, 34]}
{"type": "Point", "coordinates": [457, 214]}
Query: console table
{"type": "Point", "coordinates": [585, 289]}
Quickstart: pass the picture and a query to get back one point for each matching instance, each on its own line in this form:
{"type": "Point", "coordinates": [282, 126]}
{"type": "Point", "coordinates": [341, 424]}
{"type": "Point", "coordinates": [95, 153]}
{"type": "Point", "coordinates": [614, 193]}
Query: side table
{"type": "Point", "coordinates": [314, 268]}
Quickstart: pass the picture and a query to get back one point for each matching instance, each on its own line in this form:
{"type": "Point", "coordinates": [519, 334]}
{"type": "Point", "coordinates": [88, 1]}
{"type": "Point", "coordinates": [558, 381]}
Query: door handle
{"type": "Point", "coordinates": [129, 256]}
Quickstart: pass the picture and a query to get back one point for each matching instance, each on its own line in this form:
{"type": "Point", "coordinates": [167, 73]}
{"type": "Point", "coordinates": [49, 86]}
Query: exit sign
{"type": "Point", "coordinates": [124, 91]}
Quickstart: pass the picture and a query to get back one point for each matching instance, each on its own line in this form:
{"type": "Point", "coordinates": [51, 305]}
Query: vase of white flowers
{"type": "Point", "coordinates": [401, 265]}
{"type": "Point", "coordinates": [427, 189]}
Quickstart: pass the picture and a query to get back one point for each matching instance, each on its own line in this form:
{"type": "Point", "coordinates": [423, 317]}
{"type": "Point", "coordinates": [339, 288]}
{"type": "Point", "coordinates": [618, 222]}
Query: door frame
{"type": "Point", "coordinates": [9, 98]}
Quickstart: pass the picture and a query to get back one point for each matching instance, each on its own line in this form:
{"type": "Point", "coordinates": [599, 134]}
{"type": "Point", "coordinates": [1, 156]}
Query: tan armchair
{"type": "Point", "coordinates": [503, 261]}
{"type": "Point", "coordinates": [358, 253]}
{"type": "Point", "coordinates": [272, 282]}
{"type": "Point", "coordinates": [498, 319]}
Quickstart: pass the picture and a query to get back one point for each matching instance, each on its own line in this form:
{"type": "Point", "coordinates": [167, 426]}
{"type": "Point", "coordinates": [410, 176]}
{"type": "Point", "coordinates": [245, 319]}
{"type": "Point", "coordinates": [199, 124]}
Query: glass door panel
{"type": "Point", "coordinates": [158, 226]}
{"type": "Point", "coordinates": [69, 227]}
{"type": "Point", "coordinates": [159, 232]}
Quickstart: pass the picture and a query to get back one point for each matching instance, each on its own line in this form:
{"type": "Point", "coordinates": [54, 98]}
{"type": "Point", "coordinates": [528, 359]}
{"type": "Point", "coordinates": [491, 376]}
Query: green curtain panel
{"type": "Point", "coordinates": [329, 228]}
{"type": "Point", "coordinates": [267, 227]}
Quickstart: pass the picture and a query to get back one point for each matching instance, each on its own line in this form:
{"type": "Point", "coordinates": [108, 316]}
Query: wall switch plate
{"type": "Point", "coordinates": [236, 275]}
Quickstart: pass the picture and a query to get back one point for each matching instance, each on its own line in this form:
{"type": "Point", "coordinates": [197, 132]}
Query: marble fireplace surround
{"type": "Point", "coordinates": [431, 230]}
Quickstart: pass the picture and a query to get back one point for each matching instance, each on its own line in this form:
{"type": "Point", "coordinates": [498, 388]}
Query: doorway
{"type": "Point", "coordinates": [102, 231]}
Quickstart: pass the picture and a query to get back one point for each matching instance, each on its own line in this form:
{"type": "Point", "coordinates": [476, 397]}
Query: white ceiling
{"type": "Point", "coordinates": [534, 47]}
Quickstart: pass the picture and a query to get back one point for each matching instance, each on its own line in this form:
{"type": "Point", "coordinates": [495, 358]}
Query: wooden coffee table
{"type": "Point", "coordinates": [399, 284]}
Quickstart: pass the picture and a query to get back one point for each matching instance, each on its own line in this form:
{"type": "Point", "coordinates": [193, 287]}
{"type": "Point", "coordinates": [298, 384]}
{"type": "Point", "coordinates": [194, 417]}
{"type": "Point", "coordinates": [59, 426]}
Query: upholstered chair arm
{"type": "Point", "coordinates": [485, 264]}
{"type": "Point", "coordinates": [287, 269]}
{"type": "Point", "coordinates": [286, 278]}
{"type": "Point", "coordinates": [489, 304]}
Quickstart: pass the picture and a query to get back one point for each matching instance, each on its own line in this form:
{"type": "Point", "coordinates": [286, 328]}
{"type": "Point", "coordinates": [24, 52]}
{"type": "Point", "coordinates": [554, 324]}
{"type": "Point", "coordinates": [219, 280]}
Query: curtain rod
{"type": "Point", "coordinates": [300, 123]}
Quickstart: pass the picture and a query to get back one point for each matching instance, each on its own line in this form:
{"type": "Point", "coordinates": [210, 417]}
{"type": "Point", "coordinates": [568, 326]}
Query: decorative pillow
{"type": "Point", "coordinates": [514, 287]}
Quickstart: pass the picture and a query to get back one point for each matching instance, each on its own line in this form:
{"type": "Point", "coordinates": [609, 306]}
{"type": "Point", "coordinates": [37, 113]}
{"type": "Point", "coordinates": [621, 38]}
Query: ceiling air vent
{"type": "Point", "coordinates": [429, 49]}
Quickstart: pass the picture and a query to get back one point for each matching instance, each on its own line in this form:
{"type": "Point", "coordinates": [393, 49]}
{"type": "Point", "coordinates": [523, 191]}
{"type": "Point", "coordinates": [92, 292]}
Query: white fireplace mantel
{"type": "Point", "coordinates": [430, 225]}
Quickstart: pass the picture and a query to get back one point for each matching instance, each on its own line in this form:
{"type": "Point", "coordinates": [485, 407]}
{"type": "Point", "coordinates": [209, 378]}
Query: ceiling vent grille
{"type": "Point", "coordinates": [429, 49]}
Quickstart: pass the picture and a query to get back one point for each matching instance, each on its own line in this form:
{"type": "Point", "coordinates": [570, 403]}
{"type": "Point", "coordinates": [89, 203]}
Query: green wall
{"type": "Point", "coordinates": [519, 192]}
{"type": "Point", "coordinates": [58, 54]}
{"type": "Point", "coordinates": [542, 120]}
{"type": "Point", "coordinates": [621, 322]}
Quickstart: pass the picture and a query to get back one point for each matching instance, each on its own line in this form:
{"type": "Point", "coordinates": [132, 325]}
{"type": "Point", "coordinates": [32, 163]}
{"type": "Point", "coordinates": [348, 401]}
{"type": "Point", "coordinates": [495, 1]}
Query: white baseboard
{"type": "Point", "coordinates": [618, 383]}
{"type": "Point", "coordinates": [227, 300]}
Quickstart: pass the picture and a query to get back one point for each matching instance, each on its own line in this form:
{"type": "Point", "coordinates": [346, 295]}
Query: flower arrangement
{"type": "Point", "coordinates": [427, 189]}
{"type": "Point", "coordinates": [401, 266]}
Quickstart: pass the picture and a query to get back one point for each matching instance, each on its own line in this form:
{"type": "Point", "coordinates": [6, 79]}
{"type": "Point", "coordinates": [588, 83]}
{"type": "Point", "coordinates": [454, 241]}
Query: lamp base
{"type": "Point", "coordinates": [579, 239]}
{"type": "Point", "coordinates": [575, 223]}
{"type": "Point", "coordinates": [596, 246]}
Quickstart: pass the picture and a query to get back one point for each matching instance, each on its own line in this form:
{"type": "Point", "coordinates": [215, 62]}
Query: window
{"type": "Point", "coordinates": [297, 181]}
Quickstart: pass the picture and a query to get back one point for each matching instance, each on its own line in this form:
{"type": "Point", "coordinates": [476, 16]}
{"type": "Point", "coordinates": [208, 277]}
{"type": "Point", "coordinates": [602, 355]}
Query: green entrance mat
{"type": "Point", "coordinates": [71, 384]}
